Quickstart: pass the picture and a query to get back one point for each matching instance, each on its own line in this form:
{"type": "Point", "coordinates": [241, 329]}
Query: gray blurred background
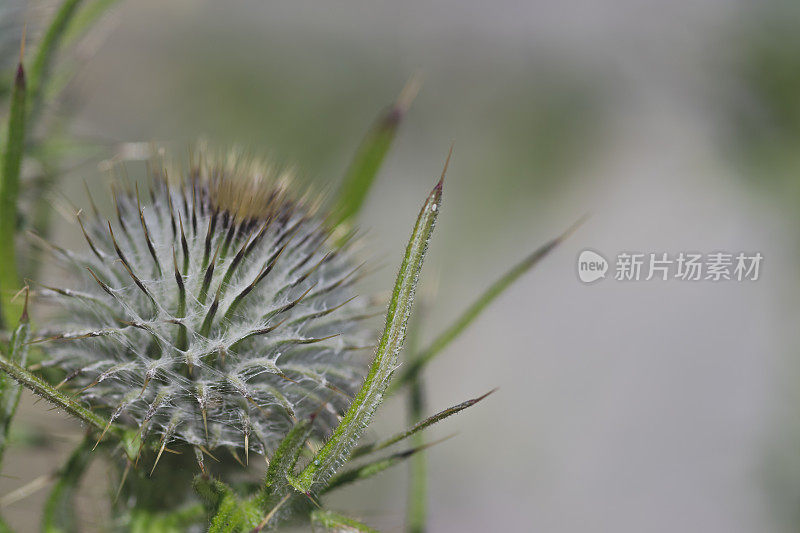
{"type": "Point", "coordinates": [651, 406]}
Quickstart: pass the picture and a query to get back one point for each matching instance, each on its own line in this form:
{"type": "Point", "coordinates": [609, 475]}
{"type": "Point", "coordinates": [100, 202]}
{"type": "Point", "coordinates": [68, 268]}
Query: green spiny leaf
{"type": "Point", "coordinates": [59, 510]}
{"type": "Point", "coordinates": [441, 415]}
{"type": "Point", "coordinates": [56, 397]}
{"type": "Point", "coordinates": [229, 517]}
{"type": "Point", "coordinates": [373, 467]}
{"type": "Point", "coordinates": [366, 401]}
{"type": "Point", "coordinates": [9, 192]}
{"type": "Point", "coordinates": [369, 157]}
{"type": "Point", "coordinates": [338, 523]}
{"type": "Point", "coordinates": [246, 517]}
{"type": "Point", "coordinates": [474, 310]}
{"type": "Point", "coordinates": [210, 490]}
{"type": "Point", "coordinates": [229, 512]}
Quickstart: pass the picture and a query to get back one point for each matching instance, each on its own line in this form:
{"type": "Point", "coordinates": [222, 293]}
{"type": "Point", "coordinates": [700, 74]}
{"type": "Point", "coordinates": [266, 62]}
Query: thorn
{"type": "Point", "coordinates": [272, 512]}
{"type": "Point", "coordinates": [479, 398]}
{"type": "Point", "coordinates": [199, 456]}
{"type": "Point", "coordinates": [337, 390]}
{"type": "Point", "coordinates": [205, 421]}
{"type": "Point", "coordinates": [311, 498]}
{"type": "Point", "coordinates": [88, 239]}
{"type": "Point", "coordinates": [247, 447]}
{"type": "Point", "coordinates": [87, 387]}
{"type": "Point", "coordinates": [205, 451]}
{"type": "Point", "coordinates": [102, 434]}
{"type": "Point", "coordinates": [160, 451]}
{"type": "Point", "coordinates": [124, 477]}
{"type": "Point", "coordinates": [103, 286]}
{"type": "Point", "coordinates": [24, 318]}
{"type": "Point", "coordinates": [235, 456]}
{"type": "Point", "coordinates": [287, 378]}
{"type": "Point", "coordinates": [444, 170]}
{"type": "Point", "coordinates": [138, 455]}
{"type": "Point", "coordinates": [91, 199]}
{"type": "Point", "coordinates": [18, 293]}
{"type": "Point", "coordinates": [251, 400]}
{"type": "Point", "coordinates": [69, 376]}
{"type": "Point", "coordinates": [146, 382]}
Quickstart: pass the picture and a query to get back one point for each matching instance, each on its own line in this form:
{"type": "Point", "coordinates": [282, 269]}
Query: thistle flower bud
{"type": "Point", "coordinates": [216, 311]}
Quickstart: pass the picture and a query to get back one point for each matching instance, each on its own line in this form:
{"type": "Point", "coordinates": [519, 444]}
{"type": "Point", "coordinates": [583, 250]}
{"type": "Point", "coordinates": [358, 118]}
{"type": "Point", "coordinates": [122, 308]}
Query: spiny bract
{"type": "Point", "coordinates": [217, 315]}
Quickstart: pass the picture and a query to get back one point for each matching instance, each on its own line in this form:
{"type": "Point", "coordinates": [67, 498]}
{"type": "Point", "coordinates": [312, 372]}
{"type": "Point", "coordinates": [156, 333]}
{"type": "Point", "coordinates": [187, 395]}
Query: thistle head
{"type": "Point", "coordinates": [216, 310]}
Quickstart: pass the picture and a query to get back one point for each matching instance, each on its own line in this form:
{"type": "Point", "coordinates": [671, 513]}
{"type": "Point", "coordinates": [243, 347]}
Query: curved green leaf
{"type": "Point", "coordinates": [373, 467]}
{"type": "Point", "coordinates": [43, 59]}
{"type": "Point", "coordinates": [477, 307]}
{"type": "Point", "coordinates": [419, 426]}
{"type": "Point", "coordinates": [369, 157]}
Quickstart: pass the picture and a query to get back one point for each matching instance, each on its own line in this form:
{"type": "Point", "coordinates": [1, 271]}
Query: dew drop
{"type": "Point", "coordinates": [316, 462]}
{"type": "Point", "coordinates": [434, 207]}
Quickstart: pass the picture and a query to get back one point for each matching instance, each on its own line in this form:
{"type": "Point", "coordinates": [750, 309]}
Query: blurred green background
{"type": "Point", "coordinates": [655, 406]}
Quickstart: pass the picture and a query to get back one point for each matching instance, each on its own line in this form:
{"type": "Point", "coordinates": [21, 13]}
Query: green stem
{"type": "Point", "coordinates": [417, 504]}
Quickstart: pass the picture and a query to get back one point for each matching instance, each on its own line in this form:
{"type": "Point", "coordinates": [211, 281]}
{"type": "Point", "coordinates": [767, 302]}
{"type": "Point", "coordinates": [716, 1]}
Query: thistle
{"type": "Point", "coordinates": [217, 311]}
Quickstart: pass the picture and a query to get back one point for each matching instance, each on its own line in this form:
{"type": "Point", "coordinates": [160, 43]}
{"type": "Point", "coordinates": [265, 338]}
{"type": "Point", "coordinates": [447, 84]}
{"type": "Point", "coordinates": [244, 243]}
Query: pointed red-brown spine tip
{"type": "Point", "coordinates": [19, 80]}
{"type": "Point", "coordinates": [24, 318]}
{"type": "Point", "coordinates": [440, 184]}
{"type": "Point", "coordinates": [392, 117]}
{"type": "Point", "coordinates": [479, 398]}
